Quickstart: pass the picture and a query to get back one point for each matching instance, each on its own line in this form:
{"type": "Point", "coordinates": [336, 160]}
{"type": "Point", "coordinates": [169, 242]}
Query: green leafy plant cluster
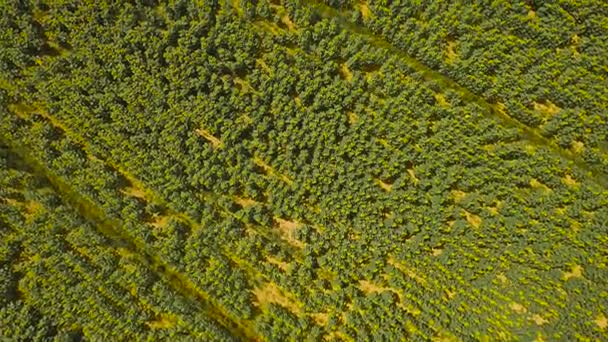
{"type": "Point", "coordinates": [295, 170]}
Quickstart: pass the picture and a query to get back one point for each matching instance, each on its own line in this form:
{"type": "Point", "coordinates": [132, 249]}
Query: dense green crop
{"type": "Point", "coordinates": [303, 170]}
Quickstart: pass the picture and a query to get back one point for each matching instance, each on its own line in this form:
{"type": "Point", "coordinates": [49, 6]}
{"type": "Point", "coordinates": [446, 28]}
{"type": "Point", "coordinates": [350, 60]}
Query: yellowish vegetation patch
{"type": "Point", "coordinates": [368, 287]}
{"type": "Point", "coordinates": [364, 9]}
{"type": "Point", "coordinates": [134, 192]}
{"type": "Point", "coordinates": [298, 101]}
{"type": "Point", "coordinates": [161, 221]}
{"type": "Point", "coordinates": [520, 309]}
{"type": "Point", "coordinates": [575, 43]}
{"type": "Point", "coordinates": [259, 162]}
{"type": "Point", "coordinates": [164, 322]}
{"type": "Point", "coordinates": [345, 72]}
{"type": "Point", "coordinates": [450, 51]}
{"type": "Point", "coordinates": [321, 318]}
{"type": "Point", "coordinates": [32, 209]}
{"type": "Point", "coordinates": [215, 142]}
{"type": "Point", "coordinates": [264, 25]}
{"type": "Point", "coordinates": [578, 147]}
{"type": "Point", "coordinates": [352, 117]}
{"type": "Point", "coordinates": [601, 321]}
{"type": "Point", "coordinates": [21, 110]}
{"type": "Point", "coordinates": [287, 21]}
{"type": "Point", "coordinates": [503, 279]}
{"type": "Point", "coordinates": [325, 274]}
{"type": "Point", "coordinates": [450, 293]}
{"type": "Point", "coordinates": [281, 264]}
{"type": "Point", "coordinates": [536, 184]}
{"type": "Point", "coordinates": [337, 336]}
{"type": "Point", "coordinates": [546, 108]}
{"type": "Point", "coordinates": [568, 180]}
{"type": "Point", "coordinates": [284, 17]}
{"type": "Point", "coordinates": [458, 195]}
{"type": "Point", "coordinates": [531, 14]}
{"type": "Point", "coordinates": [407, 271]}
{"type": "Point", "coordinates": [413, 175]}
{"type": "Point", "coordinates": [474, 220]}
{"type": "Point", "coordinates": [494, 209]}
{"type": "Point", "coordinates": [437, 251]}
{"type": "Point", "coordinates": [270, 171]}
{"type": "Point", "coordinates": [441, 100]}
{"type": "Point", "coordinates": [501, 108]}
{"type": "Point", "coordinates": [539, 320]}
{"type": "Point", "coordinates": [287, 229]}
{"type": "Point", "coordinates": [576, 272]}
{"type": "Point", "coordinates": [11, 202]}
{"type": "Point", "coordinates": [242, 84]}
{"type": "Point", "coordinates": [385, 186]}
{"type": "Point", "coordinates": [244, 202]}
{"type": "Point", "coordinates": [444, 336]}
{"type": "Point", "coordinates": [269, 293]}
{"type": "Point", "coordinates": [263, 65]}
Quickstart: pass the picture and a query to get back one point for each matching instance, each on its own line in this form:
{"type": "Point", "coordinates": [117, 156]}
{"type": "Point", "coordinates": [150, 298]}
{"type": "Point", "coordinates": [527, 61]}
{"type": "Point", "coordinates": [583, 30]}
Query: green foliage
{"type": "Point", "coordinates": [293, 170]}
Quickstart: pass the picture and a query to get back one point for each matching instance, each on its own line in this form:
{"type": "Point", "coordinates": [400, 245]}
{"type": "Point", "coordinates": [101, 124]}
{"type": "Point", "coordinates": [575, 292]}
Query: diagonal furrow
{"type": "Point", "coordinates": [107, 227]}
{"type": "Point", "coordinates": [493, 110]}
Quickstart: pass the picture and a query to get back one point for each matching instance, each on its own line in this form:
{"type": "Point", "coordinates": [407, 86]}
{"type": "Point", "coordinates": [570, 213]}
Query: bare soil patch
{"type": "Point", "coordinates": [287, 230]}
{"type": "Point", "coordinates": [215, 142]}
{"type": "Point", "coordinates": [245, 202]}
{"type": "Point", "coordinates": [269, 293]}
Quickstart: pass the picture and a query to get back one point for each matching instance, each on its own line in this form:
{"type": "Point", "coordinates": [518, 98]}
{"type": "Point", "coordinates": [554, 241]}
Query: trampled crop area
{"type": "Point", "coordinates": [303, 170]}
